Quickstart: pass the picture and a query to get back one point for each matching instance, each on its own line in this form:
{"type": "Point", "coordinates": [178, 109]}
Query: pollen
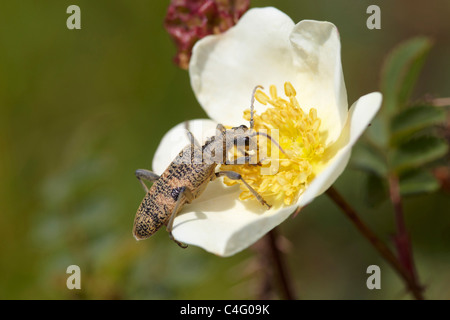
{"type": "Point", "coordinates": [284, 168]}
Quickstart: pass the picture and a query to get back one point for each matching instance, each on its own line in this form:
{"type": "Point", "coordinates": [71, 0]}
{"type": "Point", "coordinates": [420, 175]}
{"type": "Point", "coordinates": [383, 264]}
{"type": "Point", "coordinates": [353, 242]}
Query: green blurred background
{"type": "Point", "coordinates": [80, 110]}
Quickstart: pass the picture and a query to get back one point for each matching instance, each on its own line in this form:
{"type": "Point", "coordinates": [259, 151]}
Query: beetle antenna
{"type": "Point", "coordinates": [257, 133]}
{"type": "Point", "coordinates": [251, 105]}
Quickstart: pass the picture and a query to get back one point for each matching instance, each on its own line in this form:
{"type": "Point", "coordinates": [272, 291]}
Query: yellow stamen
{"type": "Point", "coordinates": [300, 137]}
{"type": "Point", "coordinates": [261, 97]}
{"type": "Point", "coordinates": [289, 90]}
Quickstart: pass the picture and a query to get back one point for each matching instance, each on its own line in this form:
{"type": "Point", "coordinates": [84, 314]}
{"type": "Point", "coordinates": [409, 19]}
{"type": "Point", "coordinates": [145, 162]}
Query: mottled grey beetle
{"type": "Point", "coordinates": [188, 175]}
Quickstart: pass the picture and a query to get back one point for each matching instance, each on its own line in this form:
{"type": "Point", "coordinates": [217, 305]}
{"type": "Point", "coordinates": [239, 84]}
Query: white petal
{"type": "Point", "coordinates": [359, 117]}
{"type": "Point", "coordinates": [225, 68]}
{"type": "Point", "coordinates": [222, 224]}
{"type": "Point", "coordinates": [326, 178]}
{"type": "Point", "coordinates": [320, 83]}
{"type": "Point", "coordinates": [176, 139]}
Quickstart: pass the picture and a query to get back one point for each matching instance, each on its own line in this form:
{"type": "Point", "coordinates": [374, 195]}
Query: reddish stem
{"type": "Point", "coordinates": [401, 239]}
{"type": "Point", "coordinates": [379, 245]}
{"type": "Point", "coordinates": [280, 267]}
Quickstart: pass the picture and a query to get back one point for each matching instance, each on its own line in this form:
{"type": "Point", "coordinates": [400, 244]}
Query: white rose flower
{"type": "Point", "coordinates": [316, 129]}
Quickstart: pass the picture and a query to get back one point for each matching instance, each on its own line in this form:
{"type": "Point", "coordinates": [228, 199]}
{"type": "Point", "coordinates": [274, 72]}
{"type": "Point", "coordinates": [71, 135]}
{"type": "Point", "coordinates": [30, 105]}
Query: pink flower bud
{"type": "Point", "coordinates": [187, 21]}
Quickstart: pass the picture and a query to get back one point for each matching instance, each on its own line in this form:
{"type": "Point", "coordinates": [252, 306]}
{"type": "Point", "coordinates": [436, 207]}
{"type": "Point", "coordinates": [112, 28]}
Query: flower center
{"type": "Point", "coordinates": [299, 136]}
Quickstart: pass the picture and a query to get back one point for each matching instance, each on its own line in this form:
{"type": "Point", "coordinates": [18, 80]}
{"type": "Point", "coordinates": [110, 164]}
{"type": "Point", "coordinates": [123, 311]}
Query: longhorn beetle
{"type": "Point", "coordinates": [188, 175]}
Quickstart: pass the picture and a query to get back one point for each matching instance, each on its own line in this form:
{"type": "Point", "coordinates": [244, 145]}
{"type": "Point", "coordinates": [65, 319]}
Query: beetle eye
{"type": "Point", "coordinates": [243, 126]}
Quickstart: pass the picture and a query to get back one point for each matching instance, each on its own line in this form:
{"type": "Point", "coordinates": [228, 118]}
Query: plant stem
{"type": "Point", "coordinates": [279, 266]}
{"type": "Point", "coordinates": [401, 239]}
{"type": "Point", "coordinates": [379, 245]}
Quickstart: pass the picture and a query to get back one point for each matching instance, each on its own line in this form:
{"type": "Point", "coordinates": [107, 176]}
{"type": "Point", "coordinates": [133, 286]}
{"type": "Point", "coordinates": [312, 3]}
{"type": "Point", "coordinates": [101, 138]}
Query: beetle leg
{"type": "Point", "coordinates": [143, 174]}
{"type": "Point", "coordinates": [236, 176]}
{"type": "Point", "coordinates": [189, 197]}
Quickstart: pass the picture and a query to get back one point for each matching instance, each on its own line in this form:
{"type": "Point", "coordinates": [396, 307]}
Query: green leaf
{"type": "Point", "coordinates": [367, 158]}
{"type": "Point", "coordinates": [378, 132]}
{"type": "Point", "coordinates": [401, 70]}
{"type": "Point", "coordinates": [417, 182]}
{"type": "Point", "coordinates": [375, 191]}
{"type": "Point", "coordinates": [413, 119]}
{"type": "Point", "coordinates": [417, 152]}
